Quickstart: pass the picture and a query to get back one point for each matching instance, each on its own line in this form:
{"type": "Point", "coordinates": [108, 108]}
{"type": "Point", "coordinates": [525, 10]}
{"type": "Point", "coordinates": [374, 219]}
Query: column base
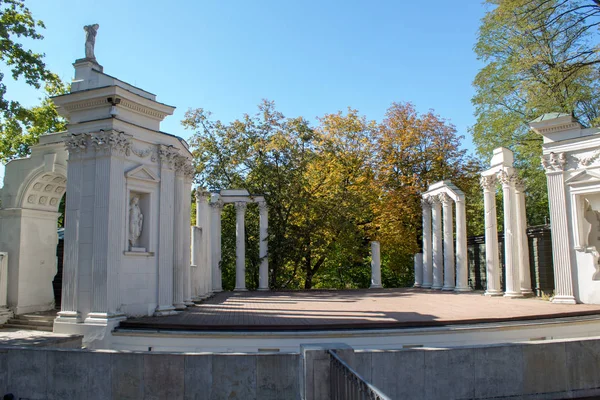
{"type": "Point", "coordinates": [217, 290]}
{"type": "Point", "coordinates": [527, 292]}
{"type": "Point", "coordinates": [263, 289]}
{"type": "Point", "coordinates": [426, 286]}
{"type": "Point", "coordinates": [417, 285]}
{"type": "Point", "coordinates": [436, 287]}
{"type": "Point", "coordinates": [72, 317]}
{"type": "Point", "coordinates": [180, 306]}
{"type": "Point", "coordinates": [240, 290]}
{"type": "Point", "coordinates": [564, 300]}
{"type": "Point", "coordinates": [462, 289]}
{"type": "Point", "coordinates": [188, 303]}
{"type": "Point", "coordinates": [447, 288]}
{"type": "Point", "coordinates": [376, 287]}
{"type": "Point", "coordinates": [103, 318]}
{"type": "Point", "coordinates": [493, 293]}
{"type": "Point", "coordinates": [513, 295]}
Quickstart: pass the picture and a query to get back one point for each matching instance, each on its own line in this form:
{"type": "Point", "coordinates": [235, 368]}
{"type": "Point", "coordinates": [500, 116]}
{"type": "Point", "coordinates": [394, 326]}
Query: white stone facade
{"type": "Point", "coordinates": [441, 266]}
{"type": "Point", "coordinates": [571, 159]}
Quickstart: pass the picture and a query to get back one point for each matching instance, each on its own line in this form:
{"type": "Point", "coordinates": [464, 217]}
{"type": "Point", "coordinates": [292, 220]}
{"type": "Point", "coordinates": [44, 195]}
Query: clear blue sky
{"type": "Point", "coordinates": [311, 57]}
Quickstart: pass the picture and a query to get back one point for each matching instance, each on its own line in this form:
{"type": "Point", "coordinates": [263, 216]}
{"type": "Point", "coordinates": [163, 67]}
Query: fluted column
{"type": "Point", "coordinates": [178, 238]}
{"type": "Point", "coordinates": [448, 229]}
{"type": "Point", "coordinates": [492, 260]}
{"type": "Point", "coordinates": [427, 250]}
{"type": "Point", "coordinates": [188, 176]}
{"type": "Point", "coordinates": [196, 272]}
{"type": "Point", "coordinates": [203, 251]}
{"type": "Point", "coordinates": [240, 246]}
{"type": "Point", "coordinates": [69, 304]}
{"type": "Point", "coordinates": [462, 265]}
{"type": "Point", "coordinates": [263, 275]}
{"type": "Point", "coordinates": [511, 265]}
{"type": "Point", "coordinates": [521, 236]}
{"type": "Point", "coordinates": [437, 249]}
{"type": "Point", "coordinates": [375, 266]}
{"type": "Point", "coordinates": [165, 230]}
{"type": "Point", "coordinates": [216, 206]}
{"type": "Point", "coordinates": [554, 164]}
{"type": "Point", "coordinates": [418, 265]}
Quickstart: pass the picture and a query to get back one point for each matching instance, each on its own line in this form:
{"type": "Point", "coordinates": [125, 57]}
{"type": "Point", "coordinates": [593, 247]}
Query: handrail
{"type": "Point", "coordinates": [346, 383]}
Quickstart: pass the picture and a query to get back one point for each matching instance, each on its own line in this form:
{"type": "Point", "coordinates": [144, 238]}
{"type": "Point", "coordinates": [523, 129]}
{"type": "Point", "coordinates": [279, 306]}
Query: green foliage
{"type": "Point", "coordinates": [330, 189]}
{"type": "Point", "coordinates": [540, 56]}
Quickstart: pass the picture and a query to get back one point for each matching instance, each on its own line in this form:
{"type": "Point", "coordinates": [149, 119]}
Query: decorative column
{"type": "Point", "coordinates": [179, 232]}
{"type": "Point", "coordinates": [521, 236]}
{"type": "Point", "coordinates": [492, 260]}
{"type": "Point", "coordinates": [418, 261]}
{"type": "Point", "coordinates": [240, 247]}
{"type": "Point", "coordinates": [165, 243]}
{"type": "Point", "coordinates": [462, 265]}
{"type": "Point", "coordinates": [375, 266]}
{"type": "Point", "coordinates": [196, 271]}
{"type": "Point", "coordinates": [513, 280]}
{"type": "Point", "coordinates": [3, 283]}
{"type": "Point", "coordinates": [448, 228]}
{"type": "Point", "coordinates": [427, 251]}
{"type": "Point", "coordinates": [109, 214]}
{"type": "Point", "coordinates": [263, 275]}
{"type": "Point", "coordinates": [438, 260]}
{"type": "Point", "coordinates": [216, 206]}
{"type": "Point", "coordinates": [554, 164]}
{"type": "Point", "coordinates": [188, 175]}
{"type": "Point", "coordinates": [76, 145]}
{"type": "Point", "coordinates": [203, 251]}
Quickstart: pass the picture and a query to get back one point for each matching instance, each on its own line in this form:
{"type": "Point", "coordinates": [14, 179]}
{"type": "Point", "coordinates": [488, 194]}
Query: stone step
{"type": "Point", "coordinates": [36, 317]}
{"type": "Point", "coordinates": [28, 327]}
{"type": "Point", "coordinates": [21, 321]}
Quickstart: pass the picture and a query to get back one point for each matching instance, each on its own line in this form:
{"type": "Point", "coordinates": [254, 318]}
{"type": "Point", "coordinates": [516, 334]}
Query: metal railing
{"type": "Point", "coordinates": [346, 384]}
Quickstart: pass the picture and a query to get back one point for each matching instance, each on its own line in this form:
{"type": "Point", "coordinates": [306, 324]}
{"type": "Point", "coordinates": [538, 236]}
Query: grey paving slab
{"type": "Point", "coordinates": [127, 376]}
{"type": "Point", "coordinates": [198, 376]}
{"type": "Point", "coordinates": [498, 371]}
{"type": "Point", "coordinates": [277, 377]}
{"type": "Point", "coordinates": [234, 377]}
{"type": "Point", "coordinates": [27, 373]}
{"type": "Point", "coordinates": [164, 376]}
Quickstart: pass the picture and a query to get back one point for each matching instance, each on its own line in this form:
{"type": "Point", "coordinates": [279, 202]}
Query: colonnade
{"type": "Point", "coordinates": [442, 266]}
{"type": "Point", "coordinates": [516, 247]}
{"type": "Point", "coordinates": [209, 207]}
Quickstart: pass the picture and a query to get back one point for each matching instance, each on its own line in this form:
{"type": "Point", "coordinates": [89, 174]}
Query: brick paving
{"type": "Point", "coordinates": [348, 309]}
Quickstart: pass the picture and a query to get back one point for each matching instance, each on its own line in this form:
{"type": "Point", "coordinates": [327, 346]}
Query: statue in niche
{"type": "Point", "coordinates": [136, 221]}
{"type": "Point", "coordinates": [593, 240]}
{"type": "Point", "coordinates": [90, 40]}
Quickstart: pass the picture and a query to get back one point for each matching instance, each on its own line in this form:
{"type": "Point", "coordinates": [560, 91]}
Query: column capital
{"type": "Point", "coordinates": [554, 162]}
{"type": "Point", "coordinates": [507, 177]}
{"type": "Point", "coordinates": [262, 206]}
{"type": "Point", "coordinates": [519, 184]}
{"type": "Point", "coordinates": [202, 194]}
{"type": "Point", "coordinates": [167, 156]}
{"type": "Point", "coordinates": [217, 204]}
{"type": "Point", "coordinates": [111, 142]}
{"type": "Point", "coordinates": [426, 202]}
{"type": "Point", "coordinates": [445, 199]}
{"type": "Point", "coordinates": [240, 206]}
{"type": "Point", "coordinates": [488, 182]}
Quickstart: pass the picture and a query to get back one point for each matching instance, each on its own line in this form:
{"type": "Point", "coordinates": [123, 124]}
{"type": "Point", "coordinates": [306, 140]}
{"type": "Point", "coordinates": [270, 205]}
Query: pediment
{"type": "Point", "coordinates": [584, 177]}
{"type": "Point", "coordinates": [143, 174]}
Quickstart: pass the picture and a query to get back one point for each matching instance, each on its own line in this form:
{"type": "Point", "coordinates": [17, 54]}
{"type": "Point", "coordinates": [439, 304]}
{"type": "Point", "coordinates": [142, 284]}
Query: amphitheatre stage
{"type": "Point", "coordinates": [373, 318]}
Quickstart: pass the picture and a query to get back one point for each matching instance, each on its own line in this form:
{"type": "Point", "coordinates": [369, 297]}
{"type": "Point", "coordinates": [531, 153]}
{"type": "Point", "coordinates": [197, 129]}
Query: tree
{"type": "Point", "coordinates": [17, 23]}
{"type": "Point", "coordinates": [541, 56]}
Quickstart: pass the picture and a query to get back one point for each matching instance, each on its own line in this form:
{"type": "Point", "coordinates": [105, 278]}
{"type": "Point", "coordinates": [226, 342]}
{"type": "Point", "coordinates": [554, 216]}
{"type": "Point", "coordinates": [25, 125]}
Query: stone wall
{"type": "Point", "coordinates": [77, 374]}
{"type": "Point", "coordinates": [540, 260]}
{"type": "Point", "coordinates": [536, 370]}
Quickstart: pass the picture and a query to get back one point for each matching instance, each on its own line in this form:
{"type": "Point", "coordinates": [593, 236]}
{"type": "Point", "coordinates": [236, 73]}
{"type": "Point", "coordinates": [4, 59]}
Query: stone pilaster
{"type": "Point", "coordinates": [179, 232]}
{"type": "Point", "coordinates": [511, 265]}
{"type": "Point", "coordinates": [215, 243]}
{"type": "Point", "coordinates": [418, 265]}
{"type": "Point", "coordinates": [521, 236]}
{"type": "Point", "coordinates": [449, 279]}
{"type": "Point", "coordinates": [427, 251]}
{"type": "Point", "coordinates": [188, 176]}
{"type": "Point", "coordinates": [492, 260]}
{"type": "Point", "coordinates": [240, 246]}
{"type": "Point", "coordinates": [167, 156]}
{"type": "Point", "coordinates": [263, 274]}
{"type": "Point", "coordinates": [462, 265]}
{"type": "Point", "coordinates": [437, 249]}
{"type": "Point", "coordinates": [375, 266]}
{"type": "Point", "coordinates": [109, 214]}
{"type": "Point", "coordinates": [554, 165]}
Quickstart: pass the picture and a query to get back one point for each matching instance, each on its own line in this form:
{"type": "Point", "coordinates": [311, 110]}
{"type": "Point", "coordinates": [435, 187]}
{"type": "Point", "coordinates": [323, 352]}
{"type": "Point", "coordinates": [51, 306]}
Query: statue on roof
{"type": "Point", "coordinates": [90, 40]}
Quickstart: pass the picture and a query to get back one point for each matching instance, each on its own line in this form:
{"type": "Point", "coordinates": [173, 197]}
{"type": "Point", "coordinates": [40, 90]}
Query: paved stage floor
{"type": "Point", "coordinates": [354, 309]}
